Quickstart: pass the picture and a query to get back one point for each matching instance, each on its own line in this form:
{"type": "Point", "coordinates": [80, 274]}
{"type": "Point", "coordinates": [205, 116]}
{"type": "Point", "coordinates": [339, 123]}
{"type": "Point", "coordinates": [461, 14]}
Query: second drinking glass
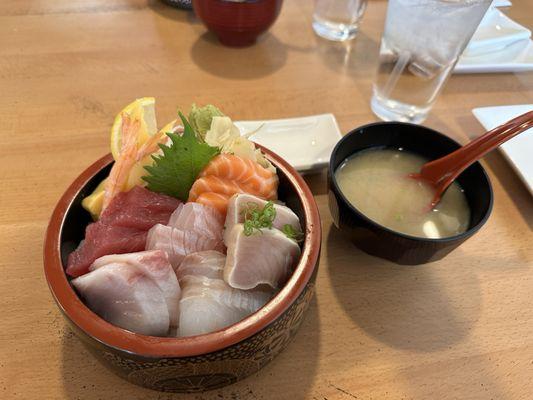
{"type": "Point", "coordinates": [422, 41]}
{"type": "Point", "coordinates": [338, 19]}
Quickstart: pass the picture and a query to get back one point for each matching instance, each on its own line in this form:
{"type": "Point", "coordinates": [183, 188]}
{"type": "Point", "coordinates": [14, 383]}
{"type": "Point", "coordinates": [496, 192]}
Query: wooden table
{"type": "Point", "coordinates": [461, 328]}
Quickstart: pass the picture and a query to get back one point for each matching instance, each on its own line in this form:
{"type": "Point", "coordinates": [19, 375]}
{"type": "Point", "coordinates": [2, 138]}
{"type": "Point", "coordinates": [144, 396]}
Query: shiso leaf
{"type": "Point", "coordinates": [174, 172]}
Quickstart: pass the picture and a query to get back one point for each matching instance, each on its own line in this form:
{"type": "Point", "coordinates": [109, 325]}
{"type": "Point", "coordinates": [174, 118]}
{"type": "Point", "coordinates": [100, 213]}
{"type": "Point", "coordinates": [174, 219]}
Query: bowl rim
{"type": "Point", "coordinates": [461, 236]}
{"type": "Point", "coordinates": [151, 346]}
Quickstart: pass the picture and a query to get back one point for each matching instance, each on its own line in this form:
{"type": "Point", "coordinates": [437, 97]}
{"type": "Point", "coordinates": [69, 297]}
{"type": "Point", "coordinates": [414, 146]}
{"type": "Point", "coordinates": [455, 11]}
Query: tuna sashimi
{"type": "Point", "coordinates": [265, 257]}
{"type": "Point", "coordinates": [154, 265]}
{"type": "Point", "coordinates": [122, 227]}
{"type": "Point", "coordinates": [198, 218]}
{"type": "Point", "coordinates": [125, 297]}
{"type": "Point", "coordinates": [238, 205]}
{"type": "Point", "coordinates": [208, 303]}
{"type": "Point", "coordinates": [177, 243]}
{"type": "Point", "coordinates": [228, 174]}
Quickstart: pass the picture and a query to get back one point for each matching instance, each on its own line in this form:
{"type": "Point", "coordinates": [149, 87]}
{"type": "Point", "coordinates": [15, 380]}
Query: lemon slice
{"type": "Point", "coordinates": [142, 109]}
{"type": "Point", "coordinates": [170, 127]}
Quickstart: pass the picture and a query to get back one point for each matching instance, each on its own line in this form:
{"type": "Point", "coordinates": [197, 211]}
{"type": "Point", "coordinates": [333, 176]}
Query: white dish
{"type": "Point", "coordinates": [305, 142]}
{"type": "Point", "coordinates": [495, 32]}
{"type": "Point", "coordinates": [519, 150]}
{"type": "Point", "coordinates": [498, 45]}
{"type": "Point", "coordinates": [501, 3]}
{"type": "Point", "coordinates": [517, 57]}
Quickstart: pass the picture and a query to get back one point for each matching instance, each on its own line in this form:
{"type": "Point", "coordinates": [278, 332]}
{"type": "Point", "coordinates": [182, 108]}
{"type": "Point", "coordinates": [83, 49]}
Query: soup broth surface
{"type": "Point", "coordinates": [376, 182]}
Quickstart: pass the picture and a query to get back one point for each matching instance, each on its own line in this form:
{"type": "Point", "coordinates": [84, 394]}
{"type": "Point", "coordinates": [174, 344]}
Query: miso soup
{"type": "Point", "coordinates": [377, 183]}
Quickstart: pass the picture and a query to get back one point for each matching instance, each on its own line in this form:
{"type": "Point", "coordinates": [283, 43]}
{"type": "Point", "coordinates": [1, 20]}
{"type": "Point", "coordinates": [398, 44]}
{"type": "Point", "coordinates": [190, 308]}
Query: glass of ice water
{"type": "Point", "coordinates": [338, 19]}
{"type": "Point", "coordinates": [422, 41]}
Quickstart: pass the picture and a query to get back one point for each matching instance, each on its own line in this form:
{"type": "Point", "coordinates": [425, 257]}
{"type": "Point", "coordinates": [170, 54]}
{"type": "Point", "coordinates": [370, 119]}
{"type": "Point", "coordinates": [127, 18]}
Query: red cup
{"type": "Point", "coordinates": [237, 24]}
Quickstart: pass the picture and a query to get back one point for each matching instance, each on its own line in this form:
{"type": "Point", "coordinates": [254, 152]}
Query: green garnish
{"type": "Point", "coordinates": [256, 218]}
{"type": "Point", "coordinates": [292, 233]}
{"type": "Point", "coordinates": [174, 172]}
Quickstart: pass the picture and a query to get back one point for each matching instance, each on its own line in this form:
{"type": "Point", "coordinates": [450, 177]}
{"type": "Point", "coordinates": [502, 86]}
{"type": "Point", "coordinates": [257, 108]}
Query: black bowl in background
{"type": "Point", "coordinates": [382, 242]}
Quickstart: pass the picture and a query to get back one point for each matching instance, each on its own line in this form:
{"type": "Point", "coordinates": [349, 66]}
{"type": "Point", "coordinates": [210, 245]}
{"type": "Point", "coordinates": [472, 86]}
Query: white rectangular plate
{"type": "Point", "coordinates": [495, 32]}
{"type": "Point", "coordinates": [519, 150]}
{"type": "Point", "coordinates": [517, 57]}
{"type": "Point", "coordinates": [498, 45]}
{"type": "Point", "coordinates": [305, 142]}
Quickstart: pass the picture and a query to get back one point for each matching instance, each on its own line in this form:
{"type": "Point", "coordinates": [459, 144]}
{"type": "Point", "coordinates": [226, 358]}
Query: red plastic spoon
{"type": "Point", "coordinates": [442, 172]}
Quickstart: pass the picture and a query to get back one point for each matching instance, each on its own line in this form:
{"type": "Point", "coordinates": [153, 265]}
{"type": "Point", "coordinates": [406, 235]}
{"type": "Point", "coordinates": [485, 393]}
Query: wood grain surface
{"type": "Point", "coordinates": [461, 328]}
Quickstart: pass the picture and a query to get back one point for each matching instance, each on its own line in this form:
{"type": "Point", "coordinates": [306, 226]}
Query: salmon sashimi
{"type": "Point", "coordinates": [227, 175]}
{"type": "Point", "coordinates": [234, 168]}
{"type": "Point", "coordinates": [216, 200]}
{"type": "Point", "coordinates": [214, 184]}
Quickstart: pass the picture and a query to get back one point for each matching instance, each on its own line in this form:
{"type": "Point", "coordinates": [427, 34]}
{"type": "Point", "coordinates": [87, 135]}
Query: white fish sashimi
{"type": "Point", "coordinates": [208, 263]}
{"type": "Point", "coordinates": [125, 297]}
{"type": "Point", "coordinates": [177, 243]}
{"type": "Point", "coordinates": [248, 301]}
{"type": "Point", "coordinates": [199, 218]}
{"type": "Point", "coordinates": [209, 304]}
{"type": "Point", "coordinates": [265, 257]}
{"type": "Point", "coordinates": [238, 205]}
{"type": "Point", "coordinates": [156, 266]}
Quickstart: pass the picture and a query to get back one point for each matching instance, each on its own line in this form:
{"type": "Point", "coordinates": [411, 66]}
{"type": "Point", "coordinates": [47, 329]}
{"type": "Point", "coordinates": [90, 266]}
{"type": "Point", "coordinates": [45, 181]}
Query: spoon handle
{"type": "Point", "coordinates": [443, 171]}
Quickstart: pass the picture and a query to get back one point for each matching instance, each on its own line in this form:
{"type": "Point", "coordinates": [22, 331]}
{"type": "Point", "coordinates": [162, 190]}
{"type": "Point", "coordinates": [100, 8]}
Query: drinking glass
{"type": "Point", "coordinates": [338, 19]}
{"type": "Point", "coordinates": [422, 41]}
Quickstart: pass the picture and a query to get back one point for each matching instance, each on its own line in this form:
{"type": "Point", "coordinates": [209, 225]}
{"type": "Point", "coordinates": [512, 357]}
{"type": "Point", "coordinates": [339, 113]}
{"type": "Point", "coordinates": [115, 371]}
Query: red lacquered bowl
{"type": "Point", "coordinates": [195, 363]}
{"type": "Point", "coordinates": [237, 24]}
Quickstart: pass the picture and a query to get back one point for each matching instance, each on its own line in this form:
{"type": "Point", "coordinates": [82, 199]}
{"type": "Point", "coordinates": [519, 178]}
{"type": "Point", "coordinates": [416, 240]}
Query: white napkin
{"type": "Point", "coordinates": [519, 150]}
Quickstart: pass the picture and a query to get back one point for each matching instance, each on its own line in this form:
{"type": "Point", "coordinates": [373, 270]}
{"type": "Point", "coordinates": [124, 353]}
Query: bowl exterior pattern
{"type": "Point", "coordinates": [207, 371]}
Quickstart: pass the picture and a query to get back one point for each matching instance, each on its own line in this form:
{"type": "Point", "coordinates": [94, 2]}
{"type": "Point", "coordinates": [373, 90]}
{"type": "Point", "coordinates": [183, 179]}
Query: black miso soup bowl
{"type": "Point", "coordinates": [380, 241]}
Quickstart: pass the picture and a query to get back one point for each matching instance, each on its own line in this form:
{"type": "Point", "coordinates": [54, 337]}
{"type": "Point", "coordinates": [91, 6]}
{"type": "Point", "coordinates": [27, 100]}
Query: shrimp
{"type": "Point", "coordinates": [130, 154]}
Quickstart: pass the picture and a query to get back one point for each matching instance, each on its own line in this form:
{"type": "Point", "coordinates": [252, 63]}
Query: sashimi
{"type": "Point", "coordinates": [214, 184]}
{"type": "Point", "coordinates": [208, 303]}
{"type": "Point", "coordinates": [217, 201]}
{"type": "Point", "coordinates": [208, 263]}
{"type": "Point", "coordinates": [125, 297]}
{"type": "Point", "coordinates": [122, 227]}
{"type": "Point", "coordinates": [177, 243]}
{"type": "Point", "coordinates": [240, 203]}
{"type": "Point", "coordinates": [244, 171]}
{"type": "Point", "coordinates": [154, 265]}
{"type": "Point", "coordinates": [227, 175]}
{"type": "Point", "coordinates": [264, 257]}
{"type": "Point", "coordinates": [198, 218]}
